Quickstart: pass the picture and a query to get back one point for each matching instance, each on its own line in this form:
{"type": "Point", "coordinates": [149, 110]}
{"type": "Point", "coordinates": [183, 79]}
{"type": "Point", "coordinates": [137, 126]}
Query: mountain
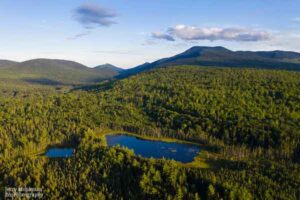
{"type": "Point", "coordinates": [109, 67]}
{"type": "Point", "coordinates": [54, 63]}
{"type": "Point", "coordinates": [65, 72]}
{"type": "Point", "coordinates": [53, 72]}
{"type": "Point", "coordinates": [7, 63]}
{"type": "Point", "coordinates": [222, 57]}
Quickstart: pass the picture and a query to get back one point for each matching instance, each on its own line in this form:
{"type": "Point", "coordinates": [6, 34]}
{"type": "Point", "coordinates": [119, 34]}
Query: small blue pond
{"type": "Point", "coordinates": [157, 149]}
{"type": "Point", "coordinates": [59, 152]}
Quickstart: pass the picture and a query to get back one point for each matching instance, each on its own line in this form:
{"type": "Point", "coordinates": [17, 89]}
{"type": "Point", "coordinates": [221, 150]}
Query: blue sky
{"type": "Point", "coordinates": [130, 32]}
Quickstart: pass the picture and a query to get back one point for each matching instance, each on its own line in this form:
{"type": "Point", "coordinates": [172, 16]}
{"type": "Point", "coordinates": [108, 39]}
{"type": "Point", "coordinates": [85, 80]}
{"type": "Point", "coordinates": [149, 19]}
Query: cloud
{"type": "Point", "coordinates": [163, 36]}
{"type": "Point", "coordinates": [93, 15]}
{"type": "Point", "coordinates": [297, 20]}
{"type": "Point", "coordinates": [228, 34]}
{"type": "Point", "coordinates": [79, 35]}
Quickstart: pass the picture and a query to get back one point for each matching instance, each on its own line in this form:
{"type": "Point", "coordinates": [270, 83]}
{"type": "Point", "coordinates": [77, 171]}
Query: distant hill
{"type": "Point", "coordinates": [109, 67]}
{"type": "Point", "coordinates": [65, 72]}
{"type": "Point", "coordinates": [222, 57]}
{"type": "Point", "coordinates": [53, 72]}
{"type": "Point", "coordinates": [7, 63]}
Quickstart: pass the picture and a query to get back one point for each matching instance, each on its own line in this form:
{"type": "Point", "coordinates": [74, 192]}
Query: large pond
{"type": "Point", "coordinates": [157, 149]}
{"type": "Point", "coordinates": [59, 152]}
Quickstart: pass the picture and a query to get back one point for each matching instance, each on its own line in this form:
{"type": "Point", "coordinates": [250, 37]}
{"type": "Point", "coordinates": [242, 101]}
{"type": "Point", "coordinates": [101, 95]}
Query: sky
{"type": "Point", "coordinates": [127, 33]}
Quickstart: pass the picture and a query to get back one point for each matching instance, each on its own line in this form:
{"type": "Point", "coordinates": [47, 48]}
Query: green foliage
{"type": "Point", "coordinates": [257, 108]}
{"type": "Point", "coordinates": [53, 72]}
{"type": "Point", "coordinates": [250, 116]}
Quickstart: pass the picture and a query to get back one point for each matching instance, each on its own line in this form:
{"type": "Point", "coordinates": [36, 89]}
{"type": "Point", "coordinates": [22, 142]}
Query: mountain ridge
{"type": "Point", "coordinates": [54, 72]}
{"type": "Point", "coordinates": [71, 72]}
{"type": "Point", "coordinates": [223, 57]}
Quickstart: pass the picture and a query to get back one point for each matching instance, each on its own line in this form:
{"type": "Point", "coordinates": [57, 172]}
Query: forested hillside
{"type": "Point", "coordinates": [222, 57]}
{"type": "Point", "coordinates": [258, 108]}
{"type": "Point", "coordinates": [247, 120]}
{"type": "Point", "coordinates": [53, 72]}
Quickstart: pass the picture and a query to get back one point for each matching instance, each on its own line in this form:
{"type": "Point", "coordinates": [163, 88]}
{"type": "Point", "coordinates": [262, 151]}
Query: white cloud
{"type": "Point", "coordinates": [185, 32]}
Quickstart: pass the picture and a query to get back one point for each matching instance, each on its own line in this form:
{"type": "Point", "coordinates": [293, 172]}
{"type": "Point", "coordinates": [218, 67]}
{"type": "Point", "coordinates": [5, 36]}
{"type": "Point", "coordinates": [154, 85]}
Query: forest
{"type": "Point", "coordinates": [247, 119]}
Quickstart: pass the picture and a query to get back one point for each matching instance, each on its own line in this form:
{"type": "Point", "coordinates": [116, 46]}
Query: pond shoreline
{"type": "Point", "coordinates": [200, 160]}
{"type": "Point", "coordinates": [162, 139]}
{"type": "Point", "coordinates": [171, 150]}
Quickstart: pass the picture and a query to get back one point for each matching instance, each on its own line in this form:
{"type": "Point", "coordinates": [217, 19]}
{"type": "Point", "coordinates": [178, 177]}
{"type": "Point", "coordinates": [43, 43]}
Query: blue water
{"type": "Point", "coordinates": [157, 149]}
{"type": "Point", "coordinates": [59, 152]}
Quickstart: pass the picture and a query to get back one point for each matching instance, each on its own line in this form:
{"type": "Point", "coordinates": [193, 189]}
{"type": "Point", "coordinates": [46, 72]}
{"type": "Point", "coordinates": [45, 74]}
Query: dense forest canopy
{"type": "Point", "coordinates": [248, 119]}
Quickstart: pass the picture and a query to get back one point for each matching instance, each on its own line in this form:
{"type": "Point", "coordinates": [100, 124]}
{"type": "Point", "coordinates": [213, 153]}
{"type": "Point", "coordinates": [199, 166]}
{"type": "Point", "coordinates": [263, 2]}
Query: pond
{"type": "Point", "coordinates": [157, 149]}
{"type": "Point", "coordinates": [59, 152]}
